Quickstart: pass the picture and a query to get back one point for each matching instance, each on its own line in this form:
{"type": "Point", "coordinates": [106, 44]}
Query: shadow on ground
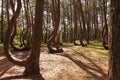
{"type": "Point", "coordinates": [34, 77]}
{"type": "Point", "coordinates": [84, 62]}
{"type": "Point", "coordinates": [5, 65]}
{"type": "Point", "coordinates": [92, 69]}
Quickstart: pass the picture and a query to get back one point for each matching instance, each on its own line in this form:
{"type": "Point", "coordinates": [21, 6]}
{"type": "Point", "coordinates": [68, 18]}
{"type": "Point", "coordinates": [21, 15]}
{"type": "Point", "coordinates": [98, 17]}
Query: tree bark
{"type": "Point", "coordinates": [114, 40]}
{"type": "Point", "coordinates": [2, 22]}
{"type": "Point", "coordinates": [14, 33]}
{"type": "Point", "coordinates": [30, 63]}
{"type": "Point", "coordinates": [32, 66]}
{"type": "Point", "coordinates": [75, 22]}
{"type": "Point", "coordinates": [88, 20]}
{"type": "Point", "coordinates": [56, 20]}
{"type": "Point", "coordinates": [82, 36]}
{"type": "Point", "coordinates": [105, 28]}
{"type": "Point", "coordinates": [8, 36]}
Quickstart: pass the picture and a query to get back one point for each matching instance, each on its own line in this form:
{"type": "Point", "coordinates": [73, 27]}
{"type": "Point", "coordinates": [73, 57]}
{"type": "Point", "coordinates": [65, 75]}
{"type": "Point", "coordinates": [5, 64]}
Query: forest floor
{"type": "Point", "coordinates": [75, 63]}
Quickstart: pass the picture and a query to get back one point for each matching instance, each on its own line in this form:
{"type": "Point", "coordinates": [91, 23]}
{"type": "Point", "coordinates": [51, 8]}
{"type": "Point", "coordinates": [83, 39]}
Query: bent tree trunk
{"type": "Point", "coordinates": [24, 48]}
{"type": "Point", "coordinates": [114, 40]}
{"type": "Point", "coordinates": [14, 32]}
{"type": "Point", "coordinates": [30, 63]}
{"type": "Point", "coordinates": [56, 19]}
{"type": "Point", "coordinates": [8, 36]}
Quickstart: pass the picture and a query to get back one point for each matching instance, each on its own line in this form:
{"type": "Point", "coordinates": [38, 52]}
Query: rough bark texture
{"type": "Point", "coordinates": [32, 66]}
{"type": "Point", "coordinates": [114, 40]}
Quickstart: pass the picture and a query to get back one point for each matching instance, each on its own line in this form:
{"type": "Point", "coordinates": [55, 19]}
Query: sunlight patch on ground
{"type": "Point", "coordinates": [57, 66]}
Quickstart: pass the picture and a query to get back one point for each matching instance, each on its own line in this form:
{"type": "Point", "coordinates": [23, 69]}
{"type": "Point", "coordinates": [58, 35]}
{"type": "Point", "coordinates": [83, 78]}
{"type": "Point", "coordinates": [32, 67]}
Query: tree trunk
{"type": "Point", "coordinates": [31, 63]}
{"type": "Point", "coordinates": [2, 22]}
{"type": "Point", "coordinates": [114, 40]}
{"type": "Point", "coordinates": [8, 36]}
{"type": "Point", "coordinates": [7, 8]}
{"type": "Point", "coordinates": [56, 20]}
{"type": "Point", "coordinates": [82, 36]}
{"type": "Point", "coordinates": [71, 21]}
{"type": "Point", "coordinates": [95, 20]}
{"type": "Point", "coordinates": [32, 66]}
{"type": "Point", "coordinates": [105, 28]}
{"type": "Point", "coordinates": [14, 33]}
{"type": "Point", "coordinates": [88, 20]}
{"type": "Point", "coordinates": [75, 22]}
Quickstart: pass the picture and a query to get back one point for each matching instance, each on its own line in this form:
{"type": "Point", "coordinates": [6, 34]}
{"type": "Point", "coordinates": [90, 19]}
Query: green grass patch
{"type": "Point", "coordinates": [1, 45]}
{"type": "Point", "coordinates": [95, 49]}
{"type": "Point", "coordinates": [1, 48]}
{"type": "Point", "coordinates": [98, 49]}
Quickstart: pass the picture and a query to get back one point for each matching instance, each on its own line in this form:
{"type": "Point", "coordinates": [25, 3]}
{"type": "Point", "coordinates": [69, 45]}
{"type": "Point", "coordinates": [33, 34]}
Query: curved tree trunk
{"type": "Point", "coordinates": [24, 48]}
{"type": "Point", "coordinates": [31, 63]}
{"type": "Point", "coordinates": [14, 33]}
{"type": "Point", "coordinates": [8, 36]}
{"type": "Point", "coordinates": [56, 20]}
{"type": "Point", "coordinates": [28, 22]}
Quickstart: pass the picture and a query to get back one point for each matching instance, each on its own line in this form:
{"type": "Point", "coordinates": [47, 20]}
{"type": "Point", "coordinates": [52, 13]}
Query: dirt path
{"type": "Point", "coordinates": [72, 64]}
